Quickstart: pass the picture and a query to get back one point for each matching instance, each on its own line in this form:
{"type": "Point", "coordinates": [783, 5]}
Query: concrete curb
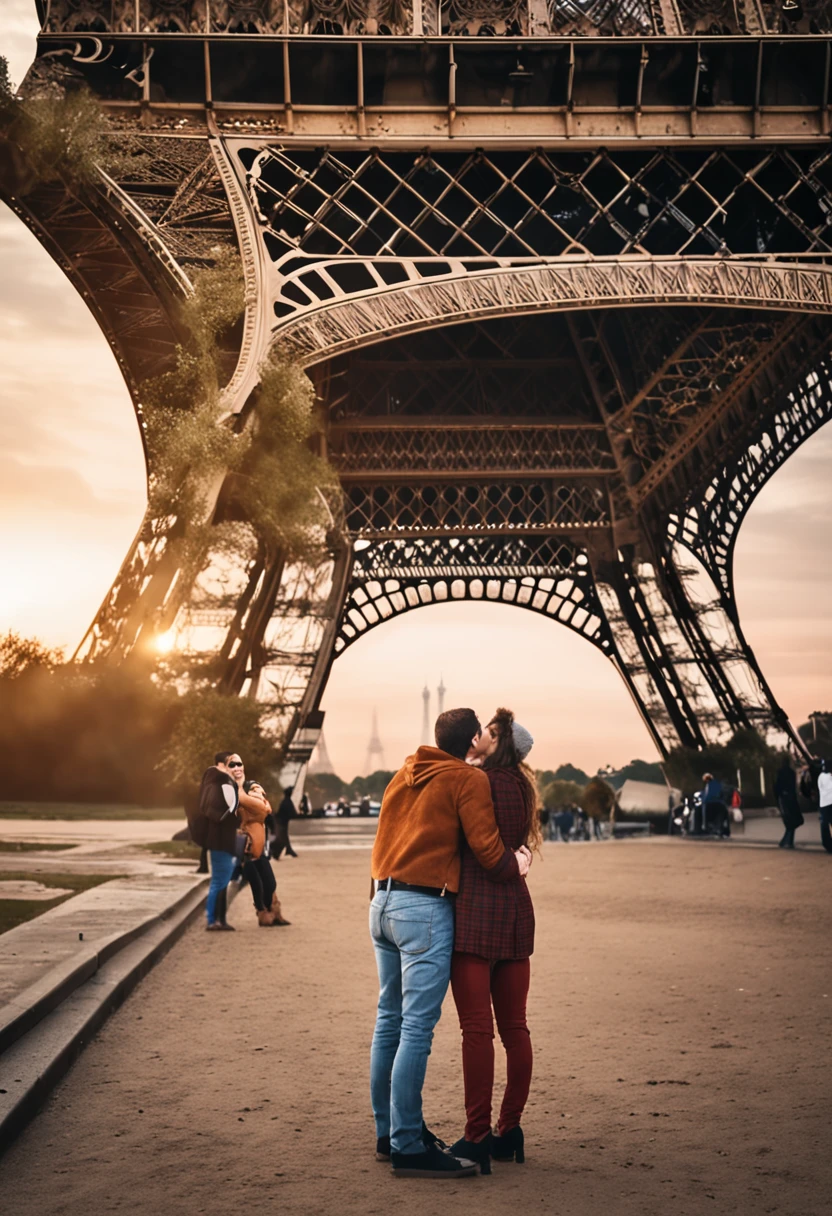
{"type": "Point", "coordinates": [24, 1012]}
{"type": "Point", "coordinates": [34, 1064]}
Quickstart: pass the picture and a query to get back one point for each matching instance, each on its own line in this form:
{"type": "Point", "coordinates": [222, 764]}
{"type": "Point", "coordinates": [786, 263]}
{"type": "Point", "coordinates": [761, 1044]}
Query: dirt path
{"type": "Point", "coordinates": [681, 999]}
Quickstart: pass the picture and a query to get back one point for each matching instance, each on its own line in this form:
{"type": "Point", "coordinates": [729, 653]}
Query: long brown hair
{"type": "Point", "coordinates": [505, 756]}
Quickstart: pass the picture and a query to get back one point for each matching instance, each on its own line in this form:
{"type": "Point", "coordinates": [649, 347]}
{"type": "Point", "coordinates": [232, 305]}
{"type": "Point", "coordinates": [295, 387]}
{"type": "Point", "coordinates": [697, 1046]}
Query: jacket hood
{"type": "Point", "coordinates": [427, 763]}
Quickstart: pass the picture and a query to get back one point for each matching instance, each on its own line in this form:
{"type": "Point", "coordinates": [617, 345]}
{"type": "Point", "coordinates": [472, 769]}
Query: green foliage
{"type": "Point", "coordinates": [274, 474]}
{"type": "Point", "coordinates": [323, 787]}
{"type": "Point", "coordinates": [208, 722]}
{"type": "Point", "coordinates": [745, 751]}
{"type": "Point", "coordinates": [636, 770]}
{"type": "Point", "coordinates": [19, 655]}
{"type": "Point", "coordinates": [277, 487]}
{"type": "Point", "coordinates": [374, 785]}
{"type": "Point", "coordinates": [817, 734]}
{"type": "Point", "coordinates": [598, 799]}
{"type": "Point", "coordinates": [558, 794]}
{"type": "Point", "coordinates": [568, 772]}
{"type": "Point", "coordinates": [51, 138]}
{"type": "Point", "coordinates": [85, 733]}
{"type": "Point", "coordinates": [327, 787]}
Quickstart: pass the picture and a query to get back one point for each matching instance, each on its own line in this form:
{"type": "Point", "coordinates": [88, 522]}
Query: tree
{"type": "Point", "coordinates": [19, 655]}
{"type": "Point", "coordinates": [558, 794]}
{"type": "Point", "coordinates": [636, 770]}
{"type": "Point", "coordinates": [816, 733]}
{"type": "Point", "coordinates": [568, 772]}
{"type": "Point", "coordinates": [374, 785]}
{"type": "Point", "coordinates": [746, 752]}
{"type": "Point", "coordinates": [598, 799]}
{"type": "Point", "coordinates": [323, 788]}
{"type": "Point", "coordinates": [207, 722]}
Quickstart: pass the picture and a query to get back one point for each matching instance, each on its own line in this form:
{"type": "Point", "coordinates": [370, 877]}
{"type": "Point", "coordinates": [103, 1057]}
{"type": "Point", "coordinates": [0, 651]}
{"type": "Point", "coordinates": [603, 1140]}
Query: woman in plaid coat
{"type": "Point", "coordinates": [493, 943]}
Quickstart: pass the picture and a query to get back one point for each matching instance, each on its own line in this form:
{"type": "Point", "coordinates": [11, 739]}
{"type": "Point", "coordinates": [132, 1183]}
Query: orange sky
{"type": "Point", "coordinates": [72, 497]}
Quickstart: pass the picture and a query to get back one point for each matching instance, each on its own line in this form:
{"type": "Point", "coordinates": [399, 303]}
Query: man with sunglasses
{"type": "Point", "coordinates": [214, 827]}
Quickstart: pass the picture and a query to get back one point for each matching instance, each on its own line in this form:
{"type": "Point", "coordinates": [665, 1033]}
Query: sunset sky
{"type": "Point", "coordinates": [72, 496]}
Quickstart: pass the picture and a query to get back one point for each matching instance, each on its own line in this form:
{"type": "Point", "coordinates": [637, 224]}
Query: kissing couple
{"type": "Point", "coordinates": [450, 905]}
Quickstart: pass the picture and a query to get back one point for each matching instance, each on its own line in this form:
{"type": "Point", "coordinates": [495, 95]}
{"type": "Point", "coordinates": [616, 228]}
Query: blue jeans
{"type": "Point", "coordinates": [222, 867]}
{"type": "Point", "coordinates": [413, 937]}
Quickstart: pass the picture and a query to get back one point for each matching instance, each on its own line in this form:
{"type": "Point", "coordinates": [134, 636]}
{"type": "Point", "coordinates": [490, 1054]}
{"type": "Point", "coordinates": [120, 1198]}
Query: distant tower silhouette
{"type": "Point", "coordinates": [440, 693]}
{"type": "Point", "coordinates": [320, 762]}
{"type": "Point", "coordinates": [426, 739]}
{"type": "Point", "coordinates": [375, 751]}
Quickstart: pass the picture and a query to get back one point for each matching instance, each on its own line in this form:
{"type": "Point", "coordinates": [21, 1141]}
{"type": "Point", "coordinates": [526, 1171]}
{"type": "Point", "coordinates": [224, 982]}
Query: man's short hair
{"type": "Point", "coordinates": [455, 730]}
{"type": "Point", "coordinates": [221, 757]}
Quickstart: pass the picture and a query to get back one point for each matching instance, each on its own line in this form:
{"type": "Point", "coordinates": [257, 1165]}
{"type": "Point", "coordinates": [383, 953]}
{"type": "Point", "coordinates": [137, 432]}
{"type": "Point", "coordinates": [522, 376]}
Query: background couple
{"type": "Point", "coordinates": [450, 904]}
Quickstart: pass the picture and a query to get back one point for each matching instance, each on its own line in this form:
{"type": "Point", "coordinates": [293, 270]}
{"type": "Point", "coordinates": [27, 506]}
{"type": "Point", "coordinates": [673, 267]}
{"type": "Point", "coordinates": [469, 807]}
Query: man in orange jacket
{"type": "Point", "coordinates": [432, 800]}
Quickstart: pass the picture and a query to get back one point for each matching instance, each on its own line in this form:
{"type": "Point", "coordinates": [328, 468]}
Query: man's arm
{"type": "Point", "coordinates": [476, 814]}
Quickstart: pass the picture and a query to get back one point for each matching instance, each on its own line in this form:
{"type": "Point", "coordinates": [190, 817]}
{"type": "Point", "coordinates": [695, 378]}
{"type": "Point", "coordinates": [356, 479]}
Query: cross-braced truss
{"type": "Point", "coordinates": [512, 417]}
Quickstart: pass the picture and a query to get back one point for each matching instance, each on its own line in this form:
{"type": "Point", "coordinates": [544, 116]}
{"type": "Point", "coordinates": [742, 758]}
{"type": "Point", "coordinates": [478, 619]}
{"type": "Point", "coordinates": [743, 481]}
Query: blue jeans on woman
{"type": "Point", "coordinates": [222, 867]}
{"type": "Point", "coordinates": [413, 936]}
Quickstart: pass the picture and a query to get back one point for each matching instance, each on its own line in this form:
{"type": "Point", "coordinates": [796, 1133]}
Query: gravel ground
{"type": "Point", "coordinates": [681, 996]}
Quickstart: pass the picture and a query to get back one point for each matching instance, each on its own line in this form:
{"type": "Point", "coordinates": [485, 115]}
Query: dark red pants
{"type": "Point", "coordinates": [477, 983]}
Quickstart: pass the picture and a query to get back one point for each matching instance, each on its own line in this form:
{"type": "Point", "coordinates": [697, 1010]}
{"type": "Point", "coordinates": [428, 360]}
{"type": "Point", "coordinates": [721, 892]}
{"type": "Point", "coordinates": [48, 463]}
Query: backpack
{"type": "Point", "coordinates": [212, 803]}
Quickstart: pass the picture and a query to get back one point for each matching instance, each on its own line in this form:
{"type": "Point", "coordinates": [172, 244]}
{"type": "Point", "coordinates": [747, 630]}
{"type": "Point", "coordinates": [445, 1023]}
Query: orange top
{"type": "Point", "coordinates": [432, 801]}
{"type": "Point", "coordinates": [252, 810]}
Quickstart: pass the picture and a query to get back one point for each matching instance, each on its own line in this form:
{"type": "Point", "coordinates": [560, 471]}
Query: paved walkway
{"type": "Point", "coordinates": [680, 1004]}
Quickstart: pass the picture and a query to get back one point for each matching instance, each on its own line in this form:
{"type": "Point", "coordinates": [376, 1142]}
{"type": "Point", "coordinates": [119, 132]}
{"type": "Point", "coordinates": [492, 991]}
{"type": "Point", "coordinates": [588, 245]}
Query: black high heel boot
{"type": "Point", "coordinates": [478, 1151]}
{"type": "Point", "coordinates": [509, 1147]}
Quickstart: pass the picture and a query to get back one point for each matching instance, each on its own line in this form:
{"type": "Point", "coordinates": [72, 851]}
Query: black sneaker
{"type": "Point", "coordinates": [429, 1138]}
{"type": "Point", "coordinates": [432, 1163]}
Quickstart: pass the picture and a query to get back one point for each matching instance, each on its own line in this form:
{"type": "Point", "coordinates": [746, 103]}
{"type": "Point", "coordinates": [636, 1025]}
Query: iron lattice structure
{"type": "Point", "coordinates": [559, 271]}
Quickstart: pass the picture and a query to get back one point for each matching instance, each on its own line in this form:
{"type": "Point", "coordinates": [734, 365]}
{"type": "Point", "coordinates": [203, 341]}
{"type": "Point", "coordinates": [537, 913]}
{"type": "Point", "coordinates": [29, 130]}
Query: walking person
{"type": "Point", "coordinates": [432, 800]}
{"type": "Point", "coordinates": [285, 812]}
{"type": "Point", "coordinates": [785, 789]}
{"type": "Point", "coordinates": [493, 944]}
{"type": "Point", "coordinates": [213, 826]}
{"type": "Point", "coordinates": [825, 805]}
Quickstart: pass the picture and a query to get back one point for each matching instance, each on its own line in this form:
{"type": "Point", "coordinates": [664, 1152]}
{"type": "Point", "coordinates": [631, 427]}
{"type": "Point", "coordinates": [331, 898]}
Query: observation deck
{"type": "Point", "coordinates": [370, 72]}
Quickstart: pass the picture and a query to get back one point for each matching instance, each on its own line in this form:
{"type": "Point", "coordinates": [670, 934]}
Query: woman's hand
{"type": "Point", "coordinates": [524, 860]}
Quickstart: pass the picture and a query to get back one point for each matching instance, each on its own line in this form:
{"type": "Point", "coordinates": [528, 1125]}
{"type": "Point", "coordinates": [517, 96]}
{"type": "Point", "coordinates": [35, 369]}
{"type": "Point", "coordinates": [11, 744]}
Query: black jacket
{"type": "Point", "coordinates": [286, 810]}
{"type": "Point", "coordinates": [218, 837]}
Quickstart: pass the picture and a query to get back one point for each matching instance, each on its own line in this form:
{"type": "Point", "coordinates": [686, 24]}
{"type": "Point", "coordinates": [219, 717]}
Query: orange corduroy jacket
{"type": "Point", "coordinates": [432, 801]}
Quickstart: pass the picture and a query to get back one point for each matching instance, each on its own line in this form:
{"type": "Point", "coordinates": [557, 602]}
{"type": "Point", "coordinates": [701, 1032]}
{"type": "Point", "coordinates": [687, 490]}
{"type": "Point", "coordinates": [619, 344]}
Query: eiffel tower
{"type": "Point", "coordinates": [375, 750]}
{"type": "Point", "coordinates": [560, 274]}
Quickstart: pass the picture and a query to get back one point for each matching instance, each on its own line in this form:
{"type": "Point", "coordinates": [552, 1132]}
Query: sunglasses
{"type": "Point", "coordinates": [234, 764]}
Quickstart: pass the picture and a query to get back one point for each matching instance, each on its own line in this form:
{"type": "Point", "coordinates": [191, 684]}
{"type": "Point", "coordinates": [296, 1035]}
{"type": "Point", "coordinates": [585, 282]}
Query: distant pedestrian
{"type": "Point", "coordinates": [785, 789]}
{"type": "Point", "coordinates": [305, 806]}
{"type": "Point", "coordinates": [564, 823]}
{"type": "Point", "coordinates": [825, 805]}
{"type": "Point", "coordinates": [285, 812]}
{"type": "Point", "coordinates": [714, 811]}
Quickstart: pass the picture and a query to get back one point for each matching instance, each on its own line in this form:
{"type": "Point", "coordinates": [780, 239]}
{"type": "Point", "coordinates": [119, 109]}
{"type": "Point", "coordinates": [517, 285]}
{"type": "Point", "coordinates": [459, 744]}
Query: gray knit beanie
{"type": "Point", "coordinates": [523, 741]}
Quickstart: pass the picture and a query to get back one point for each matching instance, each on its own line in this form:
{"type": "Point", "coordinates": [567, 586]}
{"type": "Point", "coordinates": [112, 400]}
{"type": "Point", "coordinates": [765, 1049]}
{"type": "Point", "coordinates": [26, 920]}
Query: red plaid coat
{"type": "Point", "coordinates": [496, 920]}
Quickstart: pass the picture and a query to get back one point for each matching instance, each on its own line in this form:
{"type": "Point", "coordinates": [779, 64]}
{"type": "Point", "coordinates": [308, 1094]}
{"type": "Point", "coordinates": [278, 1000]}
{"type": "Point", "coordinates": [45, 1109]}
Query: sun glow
{"type": "Point", "coordinates": [165, 642]}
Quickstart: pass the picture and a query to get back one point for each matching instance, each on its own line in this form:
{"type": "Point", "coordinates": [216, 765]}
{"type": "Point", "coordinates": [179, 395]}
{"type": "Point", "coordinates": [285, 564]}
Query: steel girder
{"type": "Point", "coordinates": [512, 418]}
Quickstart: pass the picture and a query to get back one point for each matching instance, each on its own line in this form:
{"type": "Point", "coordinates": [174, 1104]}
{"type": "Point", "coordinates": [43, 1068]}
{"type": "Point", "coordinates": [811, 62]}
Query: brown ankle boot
{"type": "Point", "coordinates": [264, 919]}
{"type": "Point", "coordinates": [276, 913]}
